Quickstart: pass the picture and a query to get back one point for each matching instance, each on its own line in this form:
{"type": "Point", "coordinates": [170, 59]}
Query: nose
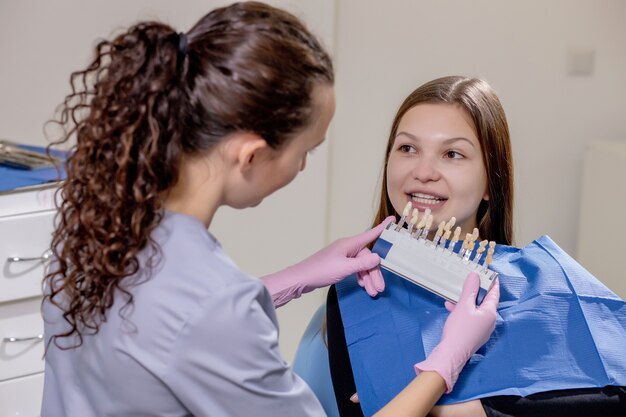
{"type": "Point", "coordinates": [426, 170]}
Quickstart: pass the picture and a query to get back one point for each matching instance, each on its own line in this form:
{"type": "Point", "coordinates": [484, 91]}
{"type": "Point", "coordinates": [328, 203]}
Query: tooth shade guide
{"type": "Point", "coordinates": [420, 262]}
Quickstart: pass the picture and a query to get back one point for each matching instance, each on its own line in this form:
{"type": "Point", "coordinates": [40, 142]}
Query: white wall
{"type": "Point", "coordinates": [385, 49]}
{"type": "Point", "coordinates": [601, 226]}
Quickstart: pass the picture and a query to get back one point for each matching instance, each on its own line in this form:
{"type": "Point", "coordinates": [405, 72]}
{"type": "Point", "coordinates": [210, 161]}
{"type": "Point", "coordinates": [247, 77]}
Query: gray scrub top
{"type": "Point", "coordinates": [201, 339]}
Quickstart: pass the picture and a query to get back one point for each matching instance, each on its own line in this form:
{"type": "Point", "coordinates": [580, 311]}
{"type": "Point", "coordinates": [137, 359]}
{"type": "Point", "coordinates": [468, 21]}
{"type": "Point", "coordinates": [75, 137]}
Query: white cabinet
{"type": "Point", "coordinates": [26, 225]}
{"type": "Point", "coordinates": [602, 224]}
{"type": "Point", "coordinates": [17, 397]}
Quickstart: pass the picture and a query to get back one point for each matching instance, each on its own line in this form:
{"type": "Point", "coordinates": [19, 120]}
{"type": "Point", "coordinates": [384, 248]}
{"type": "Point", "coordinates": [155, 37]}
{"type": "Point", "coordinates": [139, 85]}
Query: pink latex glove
{"type": "Point", "coordinates": [371, 279]}
{"type": "Point", "coordinates": [329, 266]}
{"type": "Point", "coordinates": [467, 328]}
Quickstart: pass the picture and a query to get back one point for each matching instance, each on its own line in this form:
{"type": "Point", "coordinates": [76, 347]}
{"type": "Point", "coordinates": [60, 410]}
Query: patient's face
{"type": "Point", "coordinates": [436, 162]}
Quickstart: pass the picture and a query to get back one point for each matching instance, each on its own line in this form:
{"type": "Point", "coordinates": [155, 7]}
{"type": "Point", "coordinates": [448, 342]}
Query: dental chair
{"type": "Point", "coordinates": [311, 363]}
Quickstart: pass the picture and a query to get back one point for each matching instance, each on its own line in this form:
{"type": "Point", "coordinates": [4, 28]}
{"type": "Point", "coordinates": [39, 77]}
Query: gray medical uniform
{"type": "Point", "coordinates": [201, 339]}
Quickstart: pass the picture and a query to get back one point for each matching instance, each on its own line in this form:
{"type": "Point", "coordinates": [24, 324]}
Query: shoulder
{"type": "Point", "coordinates": [190, 259]}
{"type": "Point", "coordinates": [232, 312]}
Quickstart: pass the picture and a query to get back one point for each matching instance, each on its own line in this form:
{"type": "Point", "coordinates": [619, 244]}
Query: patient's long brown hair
{"type": "Point", "coordinates": [149, 96]}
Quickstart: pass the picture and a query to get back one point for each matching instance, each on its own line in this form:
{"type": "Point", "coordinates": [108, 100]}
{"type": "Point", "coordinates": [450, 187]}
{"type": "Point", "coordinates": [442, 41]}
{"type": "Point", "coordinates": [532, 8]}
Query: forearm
{"type": "Point", "coordinates": [417, 398]}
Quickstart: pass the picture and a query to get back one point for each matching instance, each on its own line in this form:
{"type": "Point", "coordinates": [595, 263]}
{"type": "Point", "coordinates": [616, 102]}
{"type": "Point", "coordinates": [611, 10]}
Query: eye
{"type": "Point", "coordinates": [454, 155]}
{"type": "Point", "coordinates": [407, 149]}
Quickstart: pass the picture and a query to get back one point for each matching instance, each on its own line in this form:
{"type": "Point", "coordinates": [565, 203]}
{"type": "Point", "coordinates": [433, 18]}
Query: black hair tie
{"type": "Point", "coordinates": [182, 49]}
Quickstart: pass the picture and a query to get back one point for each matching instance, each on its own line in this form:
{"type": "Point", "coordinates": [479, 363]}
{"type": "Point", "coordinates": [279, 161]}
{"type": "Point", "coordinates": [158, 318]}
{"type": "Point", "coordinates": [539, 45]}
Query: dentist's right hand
{"type": "Point", "coordinates": [467, 328]}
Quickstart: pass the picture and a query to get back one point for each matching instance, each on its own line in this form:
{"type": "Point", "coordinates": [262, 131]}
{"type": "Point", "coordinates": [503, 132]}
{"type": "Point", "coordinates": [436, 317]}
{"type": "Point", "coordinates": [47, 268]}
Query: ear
{"type": "Point", "coordinates": [247, 149]}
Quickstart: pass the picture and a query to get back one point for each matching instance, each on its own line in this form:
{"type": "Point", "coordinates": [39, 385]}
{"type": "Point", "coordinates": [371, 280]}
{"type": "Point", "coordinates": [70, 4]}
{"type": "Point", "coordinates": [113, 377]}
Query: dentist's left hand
{"type": "Point", "coordinates": [330, 265]}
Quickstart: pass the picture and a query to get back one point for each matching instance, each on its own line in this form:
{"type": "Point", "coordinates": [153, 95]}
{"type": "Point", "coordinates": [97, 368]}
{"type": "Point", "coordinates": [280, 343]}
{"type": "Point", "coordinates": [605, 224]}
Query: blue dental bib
{"type": "Point", "coordinates": [558, 327]}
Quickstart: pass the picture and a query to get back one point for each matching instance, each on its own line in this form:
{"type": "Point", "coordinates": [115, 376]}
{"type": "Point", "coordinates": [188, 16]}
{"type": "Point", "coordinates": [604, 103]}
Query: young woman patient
{"type": "Point", "coordinates": [449, 151]}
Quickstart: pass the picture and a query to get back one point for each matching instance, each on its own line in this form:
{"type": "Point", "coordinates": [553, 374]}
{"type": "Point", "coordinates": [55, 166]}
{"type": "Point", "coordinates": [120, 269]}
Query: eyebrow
{"type": "Point", "coordinates": [445, 142]}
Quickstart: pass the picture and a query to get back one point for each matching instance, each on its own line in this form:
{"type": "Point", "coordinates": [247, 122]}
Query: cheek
{"type": "Point", "coordinates": [396, 174]}
{"type": "Point", "coordinates": [287, 170]}
{"type": "Point", "coordinates": [288, 177]}
{"type": "Point", "coordinates": [395, 185]}
{"type": "Point", "coordinates": [393, 182]}
{"type": "Point", "coordinates": [294, 169]}
{"type": "Point", "coordinates": [470, 185]}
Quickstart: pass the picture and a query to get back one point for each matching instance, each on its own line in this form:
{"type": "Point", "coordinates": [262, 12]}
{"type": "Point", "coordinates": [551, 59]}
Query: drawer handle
{"type": "Point", "coordinates": [43, 258]}
{"type": "Point", "coordinates": [39, 337]}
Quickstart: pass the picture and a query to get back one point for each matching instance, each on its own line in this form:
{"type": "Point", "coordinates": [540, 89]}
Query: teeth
{"type": "Point", "coordinates": [425, 198]}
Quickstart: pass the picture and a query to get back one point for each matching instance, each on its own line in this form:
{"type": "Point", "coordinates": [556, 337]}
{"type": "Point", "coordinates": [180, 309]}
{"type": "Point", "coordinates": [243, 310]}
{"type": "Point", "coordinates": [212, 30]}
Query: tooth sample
{"type": "Point", "coordinates": [413, 220]}
{"type": "Point", "coordinates": [443, 241]}
{"type": "Point", "coordinates": [405, 213]}
{"type": "Point", "coordinates": [480, 250]}
{"type": "Point", "coordinates": [437, 238]}
{"type": "Point", "coordinates": [455, 238]}
{"type": "Point", "coordinates": [492, 246]}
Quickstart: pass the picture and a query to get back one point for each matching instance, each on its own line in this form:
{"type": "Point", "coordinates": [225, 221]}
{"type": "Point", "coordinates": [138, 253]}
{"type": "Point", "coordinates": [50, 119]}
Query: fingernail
{"type": "Point", "coordinates": [354, 397]}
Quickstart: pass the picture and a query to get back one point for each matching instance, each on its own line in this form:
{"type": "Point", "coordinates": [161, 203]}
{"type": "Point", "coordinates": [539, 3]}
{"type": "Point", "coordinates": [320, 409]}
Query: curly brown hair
{"type": "Point", "coordinates": [149, 96]}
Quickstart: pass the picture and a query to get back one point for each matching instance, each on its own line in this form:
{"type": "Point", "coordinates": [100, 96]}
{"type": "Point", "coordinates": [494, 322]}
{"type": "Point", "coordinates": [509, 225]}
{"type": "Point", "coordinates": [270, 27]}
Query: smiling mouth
{"type": "Point", "coordinates": [426, 199]}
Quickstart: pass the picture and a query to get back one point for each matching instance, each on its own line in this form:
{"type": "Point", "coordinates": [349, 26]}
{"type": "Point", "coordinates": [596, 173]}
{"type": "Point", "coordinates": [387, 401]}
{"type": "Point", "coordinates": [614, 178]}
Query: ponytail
{"type": "Point", "coordinates": [123, 160]}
